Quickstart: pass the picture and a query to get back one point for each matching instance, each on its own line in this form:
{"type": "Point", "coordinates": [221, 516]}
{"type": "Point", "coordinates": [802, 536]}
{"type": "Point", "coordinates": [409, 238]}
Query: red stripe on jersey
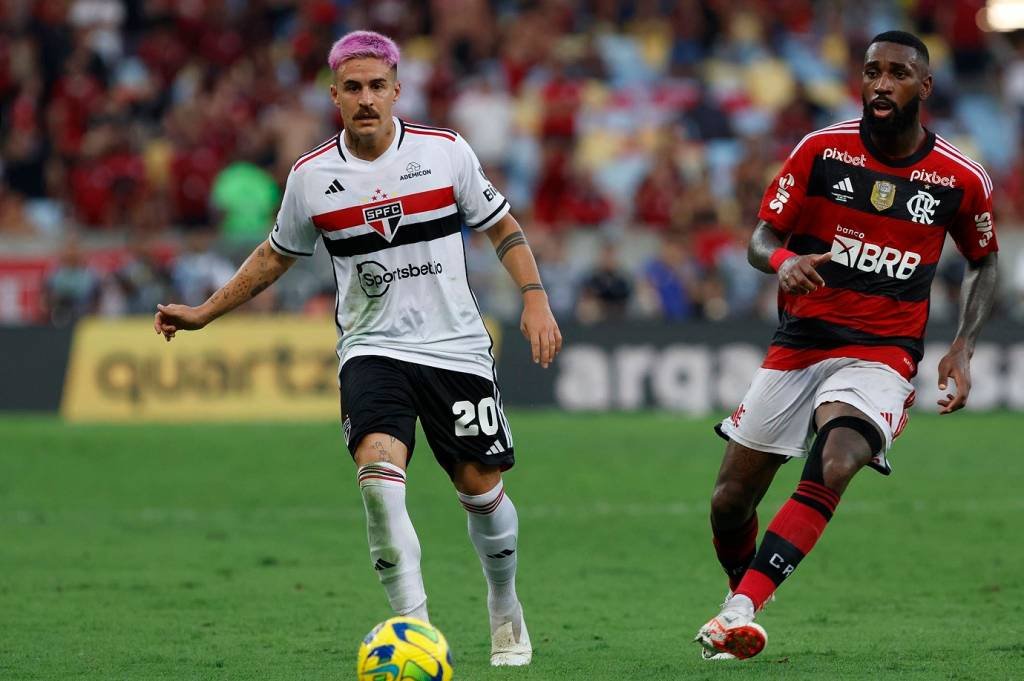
{"type": "Point", "coordinates": [788, 359]}
{"type": "Point", "coordinates": [433, 199]}
{"type": "Point", "coordinates": [414, 131]}
{"type": "Point", "coordinates": [312, 156]}
{"type": "Point", "coordinates": [879, 315]}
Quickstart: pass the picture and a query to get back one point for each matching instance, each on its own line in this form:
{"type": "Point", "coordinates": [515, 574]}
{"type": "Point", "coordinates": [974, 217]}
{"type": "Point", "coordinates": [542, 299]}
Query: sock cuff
{"type": "Point", "coordinates": [486, 503]}
{"type": "Point", "coordinates": [381, 474]}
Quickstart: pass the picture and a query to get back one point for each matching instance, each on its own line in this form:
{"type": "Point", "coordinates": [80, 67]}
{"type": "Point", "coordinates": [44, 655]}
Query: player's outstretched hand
{"type": "Point", "coordinates": [170, 319]}
{"type": "Point", "coordinates": [799, 275]}
{"type": "Point", "coordinates": [956, 364]}
{"type": "Point", "coordinates": [540, 328]}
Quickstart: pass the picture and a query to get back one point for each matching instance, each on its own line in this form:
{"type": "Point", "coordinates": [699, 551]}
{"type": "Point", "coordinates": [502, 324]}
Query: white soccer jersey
{"type": "Point", "coordinates": [393, 229]}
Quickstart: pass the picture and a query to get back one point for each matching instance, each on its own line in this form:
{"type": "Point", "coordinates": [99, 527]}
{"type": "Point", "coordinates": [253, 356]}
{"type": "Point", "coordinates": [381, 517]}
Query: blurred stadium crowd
{"type": "Point", "coordinates": [145, 143]}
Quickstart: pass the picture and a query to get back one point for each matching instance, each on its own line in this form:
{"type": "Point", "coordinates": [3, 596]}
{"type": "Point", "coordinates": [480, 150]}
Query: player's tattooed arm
{"type": "Point", "coordinates": [508, 243]}
{"type": "Point", "coordinates": [537, 323]}
{"type": "Point", "coordinates": [797, 274]}
{"type": "Point", "coordinates": [977, 296]}
{"type": "Point", "coordinates": [261, 269]}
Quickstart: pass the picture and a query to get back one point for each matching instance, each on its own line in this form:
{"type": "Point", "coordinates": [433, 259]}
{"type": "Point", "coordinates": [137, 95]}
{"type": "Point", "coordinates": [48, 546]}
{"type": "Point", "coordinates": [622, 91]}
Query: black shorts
{"type": "Point", "coordinates": [461, 413]}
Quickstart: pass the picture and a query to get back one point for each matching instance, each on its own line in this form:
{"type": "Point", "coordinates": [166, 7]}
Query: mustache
{"type": "Point", "coordinates": [363, 115]}
{"type": "Point", "coordinates": [884, 100]}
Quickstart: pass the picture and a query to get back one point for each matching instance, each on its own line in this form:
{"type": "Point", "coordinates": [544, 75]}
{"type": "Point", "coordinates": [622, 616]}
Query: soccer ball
{"type": "Point", "coordinates": [404, 649]}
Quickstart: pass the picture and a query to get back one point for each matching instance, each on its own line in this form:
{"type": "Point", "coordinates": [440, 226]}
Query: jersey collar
{"type": "Point", "coordinates": [396, 142]}
{"type": "Point", "coordinates": [906, 161]}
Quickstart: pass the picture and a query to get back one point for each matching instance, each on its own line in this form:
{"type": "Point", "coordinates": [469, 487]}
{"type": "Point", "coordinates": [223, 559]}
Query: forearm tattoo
{"type": "Point", "coordinates": [530, 287]}
{"type": "Point", "coordinates": [508, 243]}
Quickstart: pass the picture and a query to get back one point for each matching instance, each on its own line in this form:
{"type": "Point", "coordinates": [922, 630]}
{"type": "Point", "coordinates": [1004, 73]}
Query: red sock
{"type": "Point", "coordinates": [791, 535]}
{"type": "Point", "coordinates": [736, 548]}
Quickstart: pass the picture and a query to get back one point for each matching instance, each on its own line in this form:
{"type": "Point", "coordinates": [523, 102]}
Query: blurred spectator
{"type": "Point", "coordinates": [558, 274]}
{"type": "Point", "coordinates": [672, 280]}
{"type": "Point", "coordinates": [72, 290]}
{"type": "Point", "coordinates": [248, 198]}
{"type": "Point", "coordinates": [14, 219]}
{"type": "Point", "coordinates": [605, 292]}
{"type": "Point", "coordinates": [657, 192]}
{"type": "Point", "coordinates": [199, 271]}
{"type": "Point", "coordinates": [143, 280]}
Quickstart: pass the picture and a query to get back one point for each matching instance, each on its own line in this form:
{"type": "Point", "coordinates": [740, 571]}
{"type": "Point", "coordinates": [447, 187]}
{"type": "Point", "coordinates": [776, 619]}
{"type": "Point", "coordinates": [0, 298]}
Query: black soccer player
{"type": "Point", "coordinates": [853, 225]}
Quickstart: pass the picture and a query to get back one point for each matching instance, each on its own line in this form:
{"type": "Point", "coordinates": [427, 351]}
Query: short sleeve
{"type": "Point", "coordinates": [974, 228]}
{"type": "Point", "coordinates": [293, 233]}
{"type": "Point", "coordinates": [479, 202]}
{"type": "Point", "coordinates": [784, 197]}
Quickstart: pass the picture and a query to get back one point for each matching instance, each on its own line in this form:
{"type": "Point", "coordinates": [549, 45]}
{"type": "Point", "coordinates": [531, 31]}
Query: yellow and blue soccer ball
{"type": "Point", "coordinates": [404, 649]}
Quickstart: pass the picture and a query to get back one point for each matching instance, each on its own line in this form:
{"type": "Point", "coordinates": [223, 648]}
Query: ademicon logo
{"type": "Point", "coordinates": [375, 279]}
{"type": "Point", "coordinates": [853, 252]}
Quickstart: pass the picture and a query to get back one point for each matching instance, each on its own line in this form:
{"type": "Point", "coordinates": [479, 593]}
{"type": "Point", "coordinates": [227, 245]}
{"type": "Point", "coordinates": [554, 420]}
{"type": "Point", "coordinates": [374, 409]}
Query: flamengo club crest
{"type": "Point", "coordinates": [883, 194]}
{"type": "Point", "coordinates": [384, 219]}
{"type": "Point", "coordinates": [922, 207]}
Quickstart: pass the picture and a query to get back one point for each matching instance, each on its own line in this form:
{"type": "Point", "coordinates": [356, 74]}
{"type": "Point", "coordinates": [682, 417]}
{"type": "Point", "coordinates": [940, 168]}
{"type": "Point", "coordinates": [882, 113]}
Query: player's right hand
{"type": "Point", "coordinates": [170, 319]}
{"type": "Point", "coordinates": [798, 276]}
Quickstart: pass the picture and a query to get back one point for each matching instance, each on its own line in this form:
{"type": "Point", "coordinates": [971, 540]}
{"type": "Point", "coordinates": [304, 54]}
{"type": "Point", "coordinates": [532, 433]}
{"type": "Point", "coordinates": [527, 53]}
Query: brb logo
{"type": "Point", "coordinates": [853, 252]}
{"type": "Point", "coordinates": [782, 193]}
{"type": "Point", "coordinates": [376, 280]}
{"type": "Point", "coordinates": [844, 157]}
{"type": "Point", "coordinates": [384, 219]}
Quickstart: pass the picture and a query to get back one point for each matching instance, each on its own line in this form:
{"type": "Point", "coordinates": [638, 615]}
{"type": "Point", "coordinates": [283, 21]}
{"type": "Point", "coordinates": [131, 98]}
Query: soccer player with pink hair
{"type": "Point", "coordinates": [388, 200]}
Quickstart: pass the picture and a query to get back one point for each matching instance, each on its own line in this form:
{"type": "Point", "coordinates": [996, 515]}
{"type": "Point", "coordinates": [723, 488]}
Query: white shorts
{"type": "Point", "coordinates": [777, 413]}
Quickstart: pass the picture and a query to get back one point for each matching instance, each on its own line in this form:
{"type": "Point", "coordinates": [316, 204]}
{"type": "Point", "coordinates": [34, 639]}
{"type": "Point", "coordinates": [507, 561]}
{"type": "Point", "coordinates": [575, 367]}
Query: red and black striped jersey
{"type": "Point", "coordinates": [884, 222]}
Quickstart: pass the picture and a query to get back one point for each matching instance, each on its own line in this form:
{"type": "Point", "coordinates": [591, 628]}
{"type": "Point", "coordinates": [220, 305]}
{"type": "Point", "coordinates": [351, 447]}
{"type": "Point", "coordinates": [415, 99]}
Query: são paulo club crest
{"type": "Point", "coordinates": [384, 219]}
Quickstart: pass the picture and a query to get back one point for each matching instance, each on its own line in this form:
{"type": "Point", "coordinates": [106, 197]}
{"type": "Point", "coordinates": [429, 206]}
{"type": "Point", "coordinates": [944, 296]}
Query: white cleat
{"type": "Point", "coordinates": [509, 647]}
{"type": "Point", "coordinates": [733, 631]}
{"type": "Point", "coordinates": [706, 654]}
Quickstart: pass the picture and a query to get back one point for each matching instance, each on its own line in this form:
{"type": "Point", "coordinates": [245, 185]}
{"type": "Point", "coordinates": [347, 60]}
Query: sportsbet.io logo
{"type": "Point", "coordinates": [376, 280]}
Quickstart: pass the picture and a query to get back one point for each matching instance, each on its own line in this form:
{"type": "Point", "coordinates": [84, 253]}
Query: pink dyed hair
{"type": "Point", "coordinates": [363, 44]}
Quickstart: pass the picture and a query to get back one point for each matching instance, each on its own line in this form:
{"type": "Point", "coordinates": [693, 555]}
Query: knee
{"type": "Point", "coordinates": [845, 453]}
{"type": "Point", "coordinates": [474, 478]}
{"type": "Point", "coordinates": [731, 504]}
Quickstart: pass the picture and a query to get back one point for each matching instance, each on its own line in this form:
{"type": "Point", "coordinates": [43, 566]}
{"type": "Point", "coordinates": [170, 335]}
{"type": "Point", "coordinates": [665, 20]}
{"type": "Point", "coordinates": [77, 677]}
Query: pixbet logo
{"type": "Point", "coordinates": [376, 280]}
{"type": "Point", "coordinates": [782, 193]}
{"type": "Point", "coordinates": [931, 177]}
{"type": "Point", "coordinates": [868, 257]}
{"type": "Point", "coordinates": [844, 157]}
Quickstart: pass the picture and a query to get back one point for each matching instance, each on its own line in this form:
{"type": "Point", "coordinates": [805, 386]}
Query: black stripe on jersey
{"type": "Point", "coordinates": [287, 250]}
{"type": "Point", "coordinates": [401, 135]}
{"type": "Point", "coordinates": [826, 174]}
{"type": "Point", "coordinates": [806, 332]}
{"type": "Point", "coordinates": [417, 126]}
{"type": "Point", "coordinates": [337, 142]}
{"type": "Point", "coordinates": [365, 244]}
{"type": "Point", "coordinates": [913, 289]}
{"type": "Point", "coordinates": [489, 217]}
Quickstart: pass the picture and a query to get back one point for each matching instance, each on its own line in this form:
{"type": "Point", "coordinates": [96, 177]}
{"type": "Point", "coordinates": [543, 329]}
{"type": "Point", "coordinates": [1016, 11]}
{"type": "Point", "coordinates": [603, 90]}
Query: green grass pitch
{"type": "Point", "coordinates": [239, 552]}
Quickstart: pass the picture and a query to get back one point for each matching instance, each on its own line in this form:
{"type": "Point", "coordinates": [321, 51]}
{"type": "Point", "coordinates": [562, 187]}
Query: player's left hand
{"type": "Point", "coordinates": [956, 364]}
{"type": "Point", "coordinates": [540, 328]}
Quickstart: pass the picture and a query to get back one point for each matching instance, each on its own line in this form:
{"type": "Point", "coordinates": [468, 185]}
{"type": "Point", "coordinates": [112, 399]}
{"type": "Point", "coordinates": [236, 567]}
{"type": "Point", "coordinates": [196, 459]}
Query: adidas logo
{"type": "Point", "coordinates": [504, 554]}
{"type": "Point", "coordinates": [334, 188]}
{"type": "Point", "coordinates": [496, 448]}
{"type": "Point", "coordinates": [844, 186]}
{"type": "Point", "coordinates": [381, 564]}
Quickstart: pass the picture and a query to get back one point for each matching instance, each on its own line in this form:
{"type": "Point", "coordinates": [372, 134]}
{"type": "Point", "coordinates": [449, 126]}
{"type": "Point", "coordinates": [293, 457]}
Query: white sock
{"type": "Point", "coordinates": [394, 546]}
{"type": "Point", "coordinates": [494, 531]}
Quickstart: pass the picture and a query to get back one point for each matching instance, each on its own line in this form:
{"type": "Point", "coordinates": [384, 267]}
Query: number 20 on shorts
{"type": "Point", "coordinates": [486, 410]}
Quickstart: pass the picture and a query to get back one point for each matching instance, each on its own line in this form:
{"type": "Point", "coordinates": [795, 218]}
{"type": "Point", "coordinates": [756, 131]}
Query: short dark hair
{"type": "Point", "coordinates": [903, 38]}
